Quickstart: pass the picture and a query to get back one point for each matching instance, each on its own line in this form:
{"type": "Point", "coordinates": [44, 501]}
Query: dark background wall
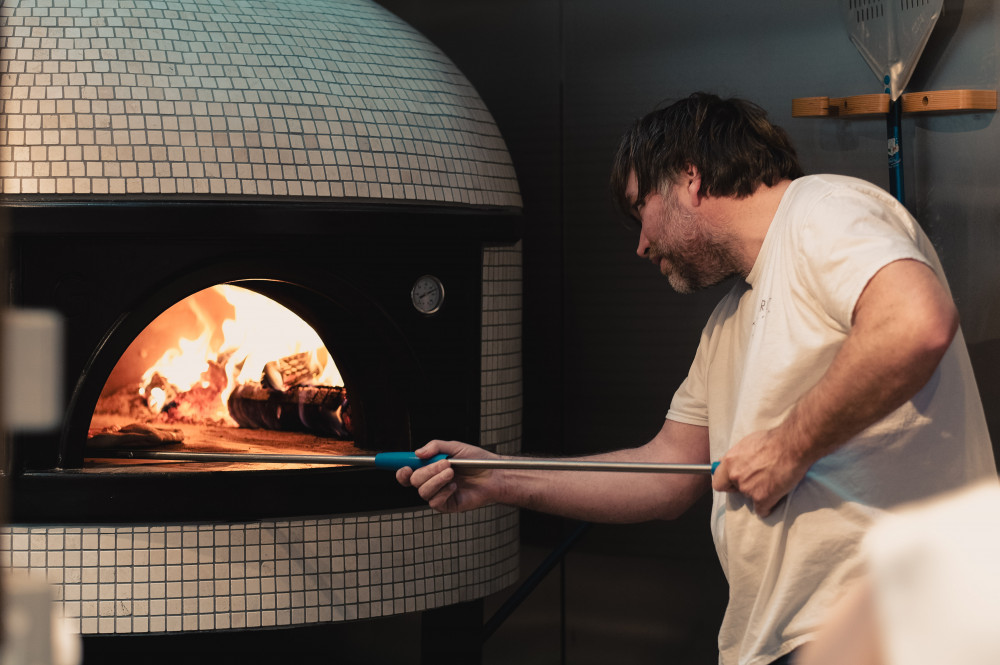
{"type": "Point", "coordinates": [605, 339]}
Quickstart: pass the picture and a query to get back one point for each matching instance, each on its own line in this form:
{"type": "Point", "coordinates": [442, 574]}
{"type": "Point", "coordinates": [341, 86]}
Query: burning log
{"type": "Point", "coordinates": [291, 370]}
{"type": "Point", "coordinates": [302, 408]}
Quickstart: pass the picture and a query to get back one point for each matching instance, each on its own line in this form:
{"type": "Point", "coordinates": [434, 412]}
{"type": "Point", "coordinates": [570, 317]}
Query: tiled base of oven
{"type": "Point", "coordinates": [125, 579]}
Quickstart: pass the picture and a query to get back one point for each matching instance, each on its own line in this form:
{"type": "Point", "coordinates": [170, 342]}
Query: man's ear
{"type": "Point", "coordinates": [692, 185]}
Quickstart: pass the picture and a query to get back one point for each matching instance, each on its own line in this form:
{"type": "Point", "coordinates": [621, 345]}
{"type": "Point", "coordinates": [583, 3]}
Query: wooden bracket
{"type": "Point", "coordinates": [913, 102]}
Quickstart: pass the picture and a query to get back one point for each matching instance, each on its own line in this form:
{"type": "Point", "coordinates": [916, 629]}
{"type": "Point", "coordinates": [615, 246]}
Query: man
{"type": "Point", "coordinates": [831, 383]}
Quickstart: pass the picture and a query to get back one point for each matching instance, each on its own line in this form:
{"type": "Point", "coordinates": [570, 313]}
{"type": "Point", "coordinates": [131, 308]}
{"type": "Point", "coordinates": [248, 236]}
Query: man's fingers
{"type": "Point", "coordinates": [438, 447]}
{"type": "Point", "coordinates": [720, 479]}
{"type": "Point", "coordinates": [428, 479]}
{"type": "Point", "coordinates": [422, 474]}
{"type": "Point", "coordinates": [759, 490]}
{"type": "Point", "coordinates": [765, 508]}
{"type": "Point", "coordinates": [403, 476]}
{"type": "Point", "coordinates": [430, 487]}
{"type": "Point", "coordinates": [440, 500]}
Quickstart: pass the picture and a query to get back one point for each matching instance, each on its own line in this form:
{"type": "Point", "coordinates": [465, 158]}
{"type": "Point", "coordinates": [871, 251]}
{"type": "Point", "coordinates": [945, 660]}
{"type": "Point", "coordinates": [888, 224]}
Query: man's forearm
{"type": "Point", "coordinates": [616, 497]}
{"type": "Point", "coordinates": [602, 496]}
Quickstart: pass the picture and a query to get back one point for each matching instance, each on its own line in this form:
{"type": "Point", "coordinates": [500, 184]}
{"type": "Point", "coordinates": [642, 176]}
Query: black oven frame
{"type": "Point", "coordinates": [109, 268]}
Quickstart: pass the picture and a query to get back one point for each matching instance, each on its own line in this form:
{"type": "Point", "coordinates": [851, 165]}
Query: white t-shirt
{"type": "Point", "coordinates": [767, 343]}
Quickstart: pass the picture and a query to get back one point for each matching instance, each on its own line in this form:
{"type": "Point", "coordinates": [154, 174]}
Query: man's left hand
{"type": "Point", "coordinates": [760, 468]}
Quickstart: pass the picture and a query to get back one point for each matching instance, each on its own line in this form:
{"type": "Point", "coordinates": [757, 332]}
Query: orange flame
{"type": "Point", "coordinates": [196, 377]}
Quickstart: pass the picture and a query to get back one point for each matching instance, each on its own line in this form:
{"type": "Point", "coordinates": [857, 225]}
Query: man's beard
{"type": "Point", "coordinates": [701, 261]}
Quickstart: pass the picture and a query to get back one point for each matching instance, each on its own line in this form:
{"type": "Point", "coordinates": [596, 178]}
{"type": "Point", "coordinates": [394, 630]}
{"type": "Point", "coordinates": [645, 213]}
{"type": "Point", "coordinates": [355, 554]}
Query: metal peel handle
{"type": "Point", "coordinates": [399, 460]}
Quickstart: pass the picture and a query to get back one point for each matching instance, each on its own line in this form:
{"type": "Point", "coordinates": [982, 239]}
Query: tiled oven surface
{"type": "Point", "coordinates": [191, 577]}
{"type": "Point", "coordinates": [196, 98]}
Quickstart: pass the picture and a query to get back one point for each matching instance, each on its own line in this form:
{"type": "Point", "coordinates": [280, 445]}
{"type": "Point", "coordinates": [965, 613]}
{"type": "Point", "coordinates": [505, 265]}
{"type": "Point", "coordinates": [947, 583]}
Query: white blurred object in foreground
{"type": "Point", "coordinates": [935, 575]}
{"type": "Point", "coordinates": [34, 631]}
{"type": "Point", "coordinates": [31, 369]}
{"type": "Point", "coordinates": [931, 595]}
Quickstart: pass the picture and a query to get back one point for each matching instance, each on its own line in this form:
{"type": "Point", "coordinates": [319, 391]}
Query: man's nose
{"type": "Point", "coordinates": [643, 249]}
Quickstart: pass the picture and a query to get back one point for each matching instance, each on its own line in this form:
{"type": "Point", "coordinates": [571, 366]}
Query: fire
{"type": "Point", "coordinates": [231, 337]}
{"type": "Point", "coordinates": [266, 331]}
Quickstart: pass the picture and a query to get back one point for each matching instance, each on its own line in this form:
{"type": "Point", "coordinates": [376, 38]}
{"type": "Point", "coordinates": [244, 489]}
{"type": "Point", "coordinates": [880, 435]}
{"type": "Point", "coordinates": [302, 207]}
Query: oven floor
{"type": "Point", "coordinates": [217, 439]}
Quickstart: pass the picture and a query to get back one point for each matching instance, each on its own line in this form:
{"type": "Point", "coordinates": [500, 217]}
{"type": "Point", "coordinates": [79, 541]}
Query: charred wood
{"type": "Point", "coordinates": [303, 408]}
{"type": "Point", "coordinates": [290, 371]}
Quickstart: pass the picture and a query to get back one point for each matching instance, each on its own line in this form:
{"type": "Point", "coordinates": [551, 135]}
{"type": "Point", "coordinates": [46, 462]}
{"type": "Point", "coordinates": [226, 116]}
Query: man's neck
{"type": "Point", "coordinates": [748, 219]}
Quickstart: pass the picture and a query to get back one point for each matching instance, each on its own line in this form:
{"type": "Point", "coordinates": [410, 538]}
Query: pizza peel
{"type": "Point", "coordinates": [398, 460]}
{"type": "Point", "coordinates": [891, 35]}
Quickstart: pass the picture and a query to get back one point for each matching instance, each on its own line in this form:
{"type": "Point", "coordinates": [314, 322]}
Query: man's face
{"type": "Point", "coordinates": [678, 240]}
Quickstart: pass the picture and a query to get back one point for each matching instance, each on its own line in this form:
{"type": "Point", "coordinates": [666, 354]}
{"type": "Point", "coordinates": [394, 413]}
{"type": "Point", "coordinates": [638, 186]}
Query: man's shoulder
{"type": "Point", "coordinates": [824, 186]}
{"type": "Point", "coordinates": [825, 203]}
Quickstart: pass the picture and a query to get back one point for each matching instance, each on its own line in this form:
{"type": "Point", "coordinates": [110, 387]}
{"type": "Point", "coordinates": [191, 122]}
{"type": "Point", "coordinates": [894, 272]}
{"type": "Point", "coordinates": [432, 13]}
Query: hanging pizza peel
{"type": "Point", "coordinates": [891, 35]}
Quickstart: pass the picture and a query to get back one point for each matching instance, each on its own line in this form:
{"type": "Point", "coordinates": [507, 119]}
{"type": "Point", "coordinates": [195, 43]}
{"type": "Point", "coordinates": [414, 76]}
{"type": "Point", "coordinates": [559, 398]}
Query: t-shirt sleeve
{"type": "Point", "coordinates": [844, 242]}
{"type": "Point", "coordinates": [690, 402]}
{"type": "Point", "coordinates": [687, 406]}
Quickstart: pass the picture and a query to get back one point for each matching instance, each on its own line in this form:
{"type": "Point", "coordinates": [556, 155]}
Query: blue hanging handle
{"type": "Point", "coordinates": [894, 135]}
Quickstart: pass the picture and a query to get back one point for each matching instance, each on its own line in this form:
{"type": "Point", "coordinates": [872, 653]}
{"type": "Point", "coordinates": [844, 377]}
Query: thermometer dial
{"type": "Point", "coordinates": [427, 294]}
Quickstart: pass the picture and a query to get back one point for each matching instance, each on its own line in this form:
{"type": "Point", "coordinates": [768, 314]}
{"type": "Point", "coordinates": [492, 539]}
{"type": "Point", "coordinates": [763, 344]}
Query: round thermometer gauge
{"type": "Point", "coordinates": [427, 294]}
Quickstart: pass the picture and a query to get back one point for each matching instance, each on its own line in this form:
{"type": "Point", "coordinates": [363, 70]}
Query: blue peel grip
{"type": "Point", "coordinates": [715, 465]}
{"type": "Point", "coordinates": [395, 461]}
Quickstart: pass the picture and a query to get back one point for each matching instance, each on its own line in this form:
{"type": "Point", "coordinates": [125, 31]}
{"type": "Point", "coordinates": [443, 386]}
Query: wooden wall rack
{"type": "Point", "coordinates": [912, 102]}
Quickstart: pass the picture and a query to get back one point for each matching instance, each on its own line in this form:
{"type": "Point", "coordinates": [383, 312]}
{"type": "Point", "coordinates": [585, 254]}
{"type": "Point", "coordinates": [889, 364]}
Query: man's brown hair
{"type": "Point", "coordinates": [731, 142]}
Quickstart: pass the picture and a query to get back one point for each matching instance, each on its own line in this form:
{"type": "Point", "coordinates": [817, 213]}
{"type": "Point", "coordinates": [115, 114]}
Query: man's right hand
{"type": "Point", "coordinates": [447, 490]}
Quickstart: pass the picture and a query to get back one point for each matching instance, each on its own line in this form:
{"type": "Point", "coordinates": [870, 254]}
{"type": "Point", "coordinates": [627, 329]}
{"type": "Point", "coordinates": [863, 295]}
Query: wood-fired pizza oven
{"type": "Point", "coordinates": [322, 156]}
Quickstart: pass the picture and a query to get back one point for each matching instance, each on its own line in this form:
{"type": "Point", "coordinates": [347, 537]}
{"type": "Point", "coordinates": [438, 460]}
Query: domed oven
{"type": "Point", "coordinates": [315, 172]}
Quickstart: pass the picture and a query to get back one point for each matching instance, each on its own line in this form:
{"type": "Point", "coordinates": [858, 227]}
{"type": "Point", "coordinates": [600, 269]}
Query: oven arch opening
{"type": "Point", "coordinates": [377, 366]}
